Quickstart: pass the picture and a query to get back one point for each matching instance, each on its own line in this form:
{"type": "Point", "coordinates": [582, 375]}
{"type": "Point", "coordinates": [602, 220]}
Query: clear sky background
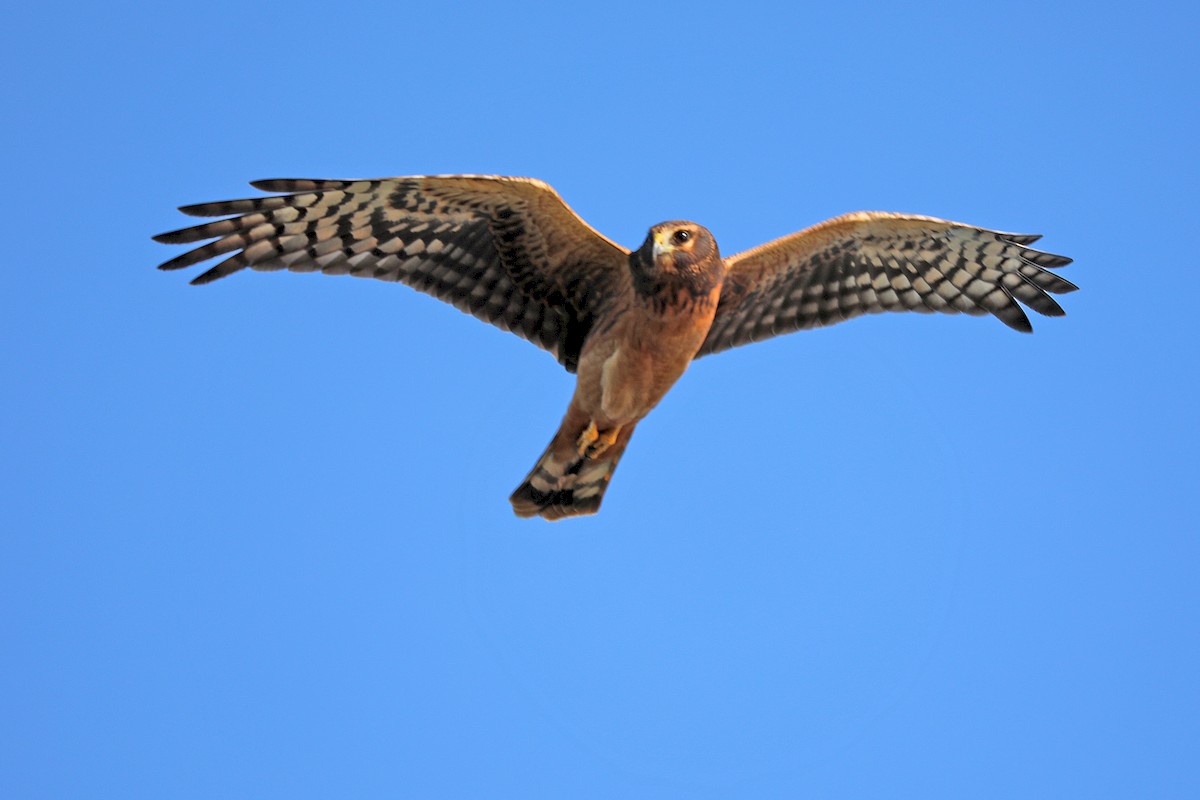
{"type": "Point", "coordinates": [256, 538]}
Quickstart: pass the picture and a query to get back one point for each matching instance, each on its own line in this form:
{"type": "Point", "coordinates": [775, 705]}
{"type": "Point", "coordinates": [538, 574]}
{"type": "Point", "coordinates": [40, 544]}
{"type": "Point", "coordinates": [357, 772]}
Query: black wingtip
{"type": "Point", "coordinates": [203, 278]}
{"type": "Point", "coordinates": [1015, 317]}
{"type": "Point", "coordinates": [293, 185]}
{"type": "Point", "coordinates": [179, 262]}
{"type": "Point", "coordinates": [181, 236]}
{"type": "Point", "coordinates": [1043, 259]}
{"type": "Point", "coordinates": [196, 210]}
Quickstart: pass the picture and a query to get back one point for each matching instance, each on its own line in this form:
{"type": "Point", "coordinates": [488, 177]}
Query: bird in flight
{"type": "Point", "coordinates": [510, 252]}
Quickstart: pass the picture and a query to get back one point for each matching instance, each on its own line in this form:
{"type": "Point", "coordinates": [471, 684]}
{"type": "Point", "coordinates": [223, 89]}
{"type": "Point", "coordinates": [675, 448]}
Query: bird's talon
{"type": "Point", "coordinates": [587, 439]}
{"type": "Point", "coordinates": [602, 442]}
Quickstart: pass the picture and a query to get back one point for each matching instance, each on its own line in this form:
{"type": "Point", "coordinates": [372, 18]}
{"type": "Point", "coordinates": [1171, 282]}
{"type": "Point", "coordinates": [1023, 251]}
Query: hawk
{"type": "Point", "coordinates": [511, 252]}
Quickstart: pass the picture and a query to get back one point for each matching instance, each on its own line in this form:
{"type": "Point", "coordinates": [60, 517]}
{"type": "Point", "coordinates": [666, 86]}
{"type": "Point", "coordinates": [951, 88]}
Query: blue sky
{"type": "Point", "coordinates": [256, 538]}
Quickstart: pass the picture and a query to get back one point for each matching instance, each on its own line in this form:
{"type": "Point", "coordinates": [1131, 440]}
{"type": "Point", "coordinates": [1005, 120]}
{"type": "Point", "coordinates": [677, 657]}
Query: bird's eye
{"type": "Point", "coordinates": [680, 237]}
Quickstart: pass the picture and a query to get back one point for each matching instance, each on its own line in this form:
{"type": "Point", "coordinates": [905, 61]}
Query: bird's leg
{"type": "Point", "coordinates": [605, 440]}
{"type": "Point", "coordinates": [587, 438]}
{"type": "Point", "coordinates": [593, 441]}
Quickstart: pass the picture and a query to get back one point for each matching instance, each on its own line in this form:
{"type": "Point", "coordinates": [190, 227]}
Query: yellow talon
{"type": "Point", "coordinates": [593, 442]}
{"type": "Point", "coordinates": [587, 438]}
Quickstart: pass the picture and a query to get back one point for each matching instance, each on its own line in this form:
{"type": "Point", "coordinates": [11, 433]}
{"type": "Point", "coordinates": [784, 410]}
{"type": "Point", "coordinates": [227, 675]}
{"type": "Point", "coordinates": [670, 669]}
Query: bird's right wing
{"type": "Point", "coordinates": [873, 261]}
{"type": "Point", "coordinates": [507, 250]}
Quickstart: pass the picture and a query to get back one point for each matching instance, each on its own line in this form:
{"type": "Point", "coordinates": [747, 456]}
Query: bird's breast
{"type": "Point", "coordinates": [626, 371]}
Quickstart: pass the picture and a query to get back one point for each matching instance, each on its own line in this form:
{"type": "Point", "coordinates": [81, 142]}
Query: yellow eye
{"type": "Point", "coordinates": [680, 236]}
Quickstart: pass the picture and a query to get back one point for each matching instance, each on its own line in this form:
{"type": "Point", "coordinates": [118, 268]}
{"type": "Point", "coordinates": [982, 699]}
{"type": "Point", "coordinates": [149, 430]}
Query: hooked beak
{"type": "Point", "coordinates": [660, 245]}
{"type": "Point", "coordinates": [656, 245]}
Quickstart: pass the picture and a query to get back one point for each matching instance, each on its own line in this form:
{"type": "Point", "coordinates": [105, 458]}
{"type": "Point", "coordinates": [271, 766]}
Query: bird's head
{"type": "Point", "coordinates": [677, 252]}
{"type": "Point", "coordinates": [677, 246]}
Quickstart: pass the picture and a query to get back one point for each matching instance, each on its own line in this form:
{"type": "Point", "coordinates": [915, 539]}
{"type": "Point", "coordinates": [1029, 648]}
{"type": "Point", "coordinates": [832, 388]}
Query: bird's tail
{"type": "Point", "coordinates": [564, 483]}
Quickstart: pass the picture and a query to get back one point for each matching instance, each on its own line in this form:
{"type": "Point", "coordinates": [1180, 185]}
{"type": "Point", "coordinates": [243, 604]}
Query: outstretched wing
{"type": "Point", "coordinates": [507, 250]}
{"type": "Point", "coordinates": [873, 261]}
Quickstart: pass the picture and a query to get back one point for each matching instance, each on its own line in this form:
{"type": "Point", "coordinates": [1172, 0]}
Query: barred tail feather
{"type": "Point", "coordinates": [564, 483]}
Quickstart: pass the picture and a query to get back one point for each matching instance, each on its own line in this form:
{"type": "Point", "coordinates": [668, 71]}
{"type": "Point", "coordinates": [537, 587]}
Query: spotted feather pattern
{"type": "Point", "coordinates": [869, 262]}
{"type": "Point", "coordinates": [507, 250]}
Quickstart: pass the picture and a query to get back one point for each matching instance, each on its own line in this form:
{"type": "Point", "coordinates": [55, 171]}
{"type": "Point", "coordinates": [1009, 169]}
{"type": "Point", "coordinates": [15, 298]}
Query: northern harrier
{"type": "Point", "coordinates": [511, 252]}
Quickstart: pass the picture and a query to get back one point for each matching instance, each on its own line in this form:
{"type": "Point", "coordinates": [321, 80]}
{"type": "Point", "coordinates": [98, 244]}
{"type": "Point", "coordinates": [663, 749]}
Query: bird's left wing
{"type": "Point", "coordinates": [507, 250]}
{"type": "Point", "coordinates": [873, 261]}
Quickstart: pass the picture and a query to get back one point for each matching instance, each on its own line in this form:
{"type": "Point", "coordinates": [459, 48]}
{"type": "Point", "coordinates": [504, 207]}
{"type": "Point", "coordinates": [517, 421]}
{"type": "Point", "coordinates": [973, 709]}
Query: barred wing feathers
{"type": "Point", "coordinates": [507, 250]}
{"type": "Point", "coordinates": [873, 261]}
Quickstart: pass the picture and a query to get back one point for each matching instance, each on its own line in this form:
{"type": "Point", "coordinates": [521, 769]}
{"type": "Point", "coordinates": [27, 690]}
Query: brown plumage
{"type": "Point", "coordinates": [510, 251]}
